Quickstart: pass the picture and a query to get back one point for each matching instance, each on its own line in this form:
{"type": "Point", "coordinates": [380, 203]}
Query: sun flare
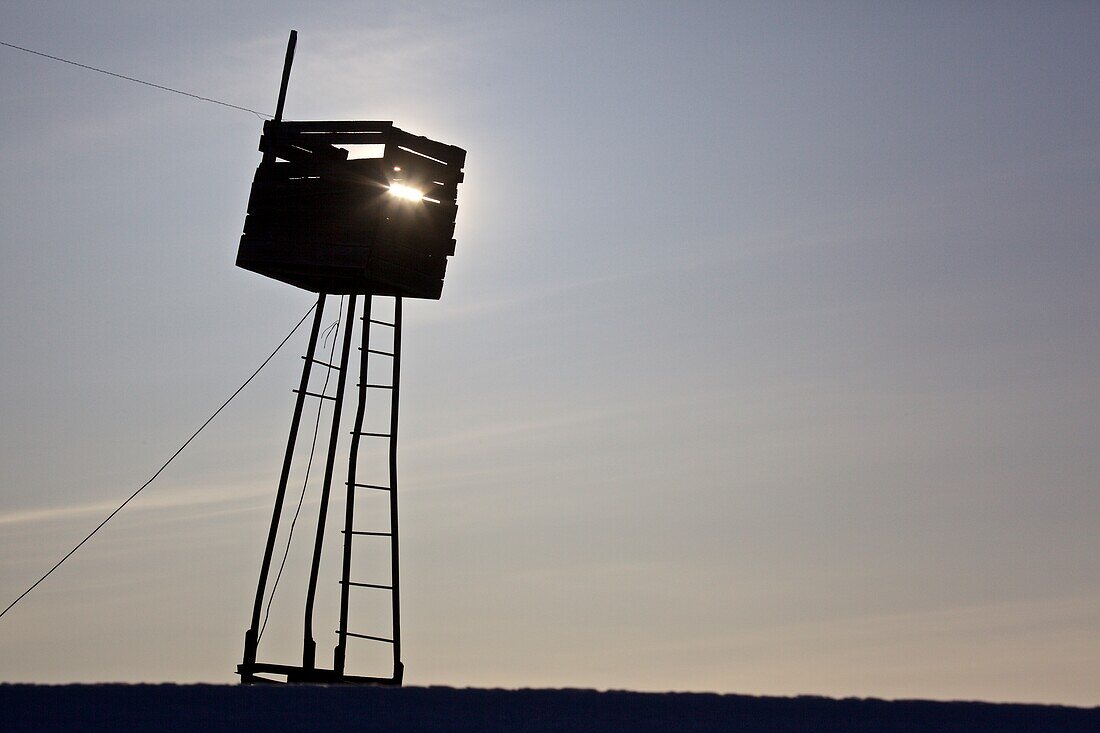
{"type": "Point", "coordinates": [408, 193]}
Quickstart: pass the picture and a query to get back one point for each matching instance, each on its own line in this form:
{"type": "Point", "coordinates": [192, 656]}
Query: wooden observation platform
{"type": "Point", "coordinates": [379, 227]}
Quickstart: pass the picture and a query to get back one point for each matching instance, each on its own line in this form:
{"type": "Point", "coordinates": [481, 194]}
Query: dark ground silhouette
{"type": "Point", "coordinates": [318, 708]}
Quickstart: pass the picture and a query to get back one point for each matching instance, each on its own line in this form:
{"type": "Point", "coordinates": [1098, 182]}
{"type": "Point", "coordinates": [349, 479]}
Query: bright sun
{"type": "Point", "coordinates": [400, 190]}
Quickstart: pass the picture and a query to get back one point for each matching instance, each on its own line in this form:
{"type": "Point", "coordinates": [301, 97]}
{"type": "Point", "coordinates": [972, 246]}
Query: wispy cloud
{"type": "Point", "coordinates": [206, 497]}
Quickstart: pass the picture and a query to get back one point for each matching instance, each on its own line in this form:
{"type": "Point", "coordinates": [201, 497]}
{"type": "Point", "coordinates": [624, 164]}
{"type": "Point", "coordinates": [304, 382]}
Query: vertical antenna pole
{"type": "Point", "coordinates": [282, 86]}
{"type": "Point", "coordinates": [286, 74]}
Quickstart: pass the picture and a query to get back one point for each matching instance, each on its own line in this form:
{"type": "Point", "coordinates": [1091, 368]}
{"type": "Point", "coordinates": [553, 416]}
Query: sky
{"type": "Point", "coordinates": [768, 361]}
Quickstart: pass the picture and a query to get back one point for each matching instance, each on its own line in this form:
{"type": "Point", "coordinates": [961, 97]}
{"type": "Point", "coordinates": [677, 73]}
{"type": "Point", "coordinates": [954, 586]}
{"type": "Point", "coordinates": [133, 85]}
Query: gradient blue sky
{"type": "Point", "coordinates": [768, 361]}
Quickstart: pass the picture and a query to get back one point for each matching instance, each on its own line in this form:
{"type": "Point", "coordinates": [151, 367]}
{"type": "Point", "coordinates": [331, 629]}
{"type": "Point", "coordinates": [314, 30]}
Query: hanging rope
{"type": "Point", "coordinates": [163, 466]}
{"type": "Point", "coordinates": [261, 115]}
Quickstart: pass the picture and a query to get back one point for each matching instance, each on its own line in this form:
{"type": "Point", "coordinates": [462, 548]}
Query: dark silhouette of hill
{"type": "Point", "coordinates": [314, 708]}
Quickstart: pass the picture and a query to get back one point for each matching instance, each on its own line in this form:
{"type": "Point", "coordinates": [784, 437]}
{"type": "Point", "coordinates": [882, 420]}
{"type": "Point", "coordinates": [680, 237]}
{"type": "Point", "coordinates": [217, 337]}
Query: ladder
{"type": "Point", "coordinates": [253, 671]}
{"type": "Point", "coordinates": [354, 486]}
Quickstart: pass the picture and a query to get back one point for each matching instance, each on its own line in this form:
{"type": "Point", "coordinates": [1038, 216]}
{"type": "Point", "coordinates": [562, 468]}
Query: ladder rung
{"type": "Point", "coordinates": [322, 396]}
{"type": "Point", "coordinates": [369, 486]}
{"type": "Point", "coordinates": [376, 386]}
{"type": "Point", "coordinates": [368, 585]}
{"type": "Point", "coordinates": [374, 351]}
{"type": "Point", "coordinates": [367, 636]}
{"type": "Point", "coordinates": [373, 435]}
{"type": "Point", "coordinates": [325, 364]}
{"type": "Point", "coordinates": [372, 534]}
{"type": "Point", "coordinates": [381, 323]}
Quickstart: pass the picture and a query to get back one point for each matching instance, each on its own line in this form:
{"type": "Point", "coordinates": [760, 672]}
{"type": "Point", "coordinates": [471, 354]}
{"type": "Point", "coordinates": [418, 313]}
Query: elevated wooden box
{"type": "Point", "coordinates": [329, 224]}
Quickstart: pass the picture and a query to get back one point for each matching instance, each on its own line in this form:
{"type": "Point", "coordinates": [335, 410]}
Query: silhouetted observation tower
{"type": "Point", "coordinates": [379, 228]}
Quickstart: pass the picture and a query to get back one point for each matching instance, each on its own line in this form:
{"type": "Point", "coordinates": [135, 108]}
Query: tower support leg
{"type": "Point", "coordinates": [309, 651]}
{"type": "Point", "coordinates": [395, 595]}
{"type": "Point", "coordinates": [251, 637]}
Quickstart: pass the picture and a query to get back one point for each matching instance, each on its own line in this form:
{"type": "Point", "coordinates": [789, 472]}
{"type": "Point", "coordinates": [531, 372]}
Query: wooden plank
{"type": "Point", "coordinates": [451, 155]}
{"type": "Point", "coordinates": [306, 211]}
{"type": "Point", "coordinates": [335, 268]}
{"type": "Point", "coordinates": [317, 147]}
{"type": "Point", "coordinates": [446, 193]}
{"type": "Point", "coordinates": [347, 200]}
{"type": "Point", "coordinates": [425, 256]}
{"type": "Point", "coordinates": [417, 168]}
{"type": "Point", "coordinates": [299, 210]}
{"type": "Point", "coordinates": [301, 151]}
{"type": "Point", "coordinates": [313, 185]}
{"type": "Point", "coordinates": [332, 125]}
{"type": "Point", "coordinates": [306, 171]}
{"type": "Point", "coordinates": [335, 138]}
{"type": "Point", "coordinates": [315, 199]}
{"type": "Point", "coordinates": [328, 138]}
{"type": "Point", "coordinates": [413, 260]}
{"type": "Point", "coordinates": [402, 278]}
{"type": "Point", "coordinates": [417, 251]}
{"type": "Point", "coordinates": [275, 254]}
{"type": "Point", "coordinates": [309, 230]}
{"type": "Point", "coordinates": [428, 224]}
{"type": "Point", "coordinates": [423, 168]}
